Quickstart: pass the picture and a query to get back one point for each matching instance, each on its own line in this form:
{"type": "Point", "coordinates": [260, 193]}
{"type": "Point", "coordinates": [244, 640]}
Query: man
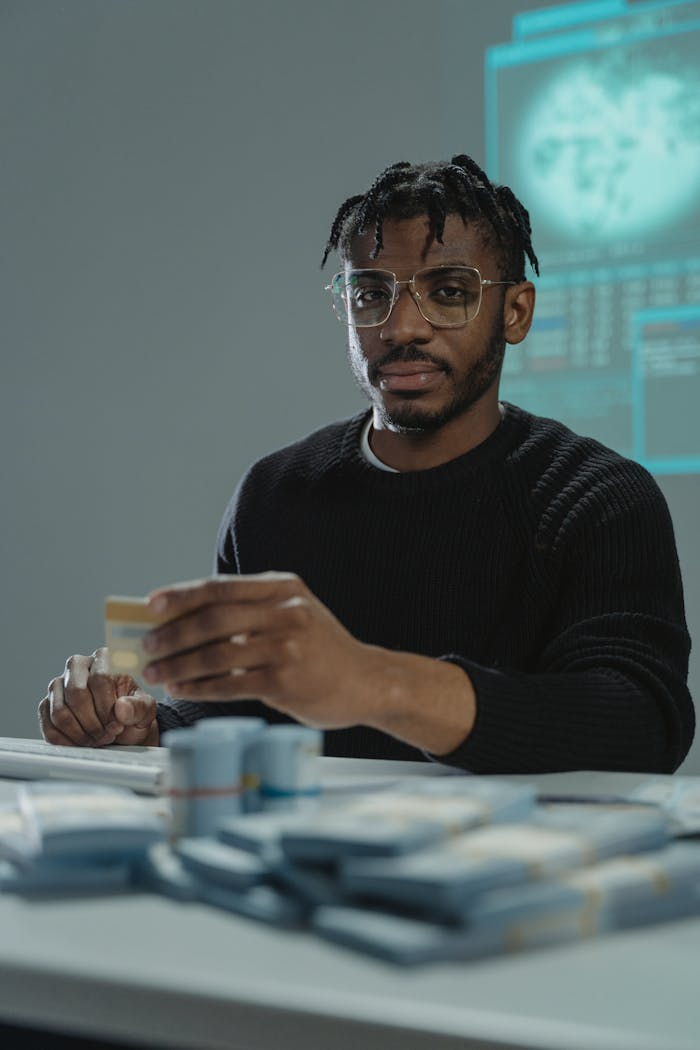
{"type": "Point", "coordinates": [455, 578]}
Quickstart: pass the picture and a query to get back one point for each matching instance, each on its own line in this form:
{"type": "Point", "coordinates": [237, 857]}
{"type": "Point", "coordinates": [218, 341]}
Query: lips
{"type": "Point", "coordinates": [410, 375]}
{"type": "Point", "coordinates": [405, 368]}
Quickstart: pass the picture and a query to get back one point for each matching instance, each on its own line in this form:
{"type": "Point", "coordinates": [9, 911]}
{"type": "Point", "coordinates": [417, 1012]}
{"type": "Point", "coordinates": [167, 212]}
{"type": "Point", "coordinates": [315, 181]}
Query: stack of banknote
{"type": "Point", "coordinates": [60, 836]}
{"type": "Point", "coordinates": [625, 891]}
{"type": "Point", "coordinates": [279, 867]}
{"type": "Point", "coordinates": [431, 869]}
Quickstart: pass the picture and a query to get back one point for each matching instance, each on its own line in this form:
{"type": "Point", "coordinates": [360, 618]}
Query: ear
{"type": "Point", "coordinates": [518, 308]}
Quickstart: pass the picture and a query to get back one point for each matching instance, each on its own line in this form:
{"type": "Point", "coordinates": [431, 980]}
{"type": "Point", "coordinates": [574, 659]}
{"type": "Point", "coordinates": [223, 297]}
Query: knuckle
{"type": "Point", "coordinates": [289, 649]}
{"type": "Point", "coordinates": [53, 684]}
{"type": "Point", "coordinates": [51, 735]}
{"type": "Point", "coordinates": [300, 613]}
{"type": "Point", "coordinates": [61, 718]}
{"type": "Point", "coordinates": [98, 663]}
{"type": "Point", "coordinates": [288, 583]}
{"type": "Point", "coordinates": [276, 574]}
{"type": "Point", "coordinates": [212, 588]}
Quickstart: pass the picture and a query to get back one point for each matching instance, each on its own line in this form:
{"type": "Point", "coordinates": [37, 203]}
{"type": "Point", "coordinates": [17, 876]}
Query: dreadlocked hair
{"type": "Point", "coordinates": [405, 190]}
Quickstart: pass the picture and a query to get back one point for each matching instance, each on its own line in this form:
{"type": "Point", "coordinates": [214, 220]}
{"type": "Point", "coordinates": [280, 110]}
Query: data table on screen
{"type": "Point", "coordinates": [592, 119]}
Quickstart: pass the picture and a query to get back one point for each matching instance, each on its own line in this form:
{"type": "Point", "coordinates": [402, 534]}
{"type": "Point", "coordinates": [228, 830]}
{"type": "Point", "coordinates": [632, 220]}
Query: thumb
{"type": "Point", "coordinates": [137, 713]}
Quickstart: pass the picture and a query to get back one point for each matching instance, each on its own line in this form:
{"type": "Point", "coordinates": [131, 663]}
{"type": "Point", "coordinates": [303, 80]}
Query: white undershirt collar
{"type": "Point", "coordinates": [369, 455]}
{"type": "Point", "coordinates": [367, 450]}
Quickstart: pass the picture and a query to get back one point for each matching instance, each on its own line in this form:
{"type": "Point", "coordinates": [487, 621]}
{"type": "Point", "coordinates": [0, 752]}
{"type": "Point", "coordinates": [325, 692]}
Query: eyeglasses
{"type": "Point", "coordinates": [446, 296]}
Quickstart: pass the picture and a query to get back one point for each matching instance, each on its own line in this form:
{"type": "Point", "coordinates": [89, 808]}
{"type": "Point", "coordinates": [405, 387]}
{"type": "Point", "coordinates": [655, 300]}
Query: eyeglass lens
{"type": "Point", "coordinates": [445, 296]}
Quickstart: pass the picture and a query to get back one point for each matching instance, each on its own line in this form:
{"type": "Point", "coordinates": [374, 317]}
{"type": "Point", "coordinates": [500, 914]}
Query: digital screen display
{"type": "Point", "coordinates": [593, 119]}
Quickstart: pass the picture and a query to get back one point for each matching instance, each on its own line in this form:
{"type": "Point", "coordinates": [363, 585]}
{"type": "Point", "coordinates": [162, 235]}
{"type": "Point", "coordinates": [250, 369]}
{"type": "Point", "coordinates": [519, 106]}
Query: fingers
{"type": "Point", "coordinates": [78, 705]}
{"type": "Point", "coordinates": [222, 620]}
{"type": "Point", "coordinates": [240, 652]}
{"type": "Point", "coordinates": [137, 715]}
{"type": "Point", "coordinates": [237, 685]}
{"type": "Point", "coordinates": [100, 685]}
{"type": "Point", "coordinates": [181, 598]}
{"type": "Point", "coordinates": [48, 729]}
{"type": "Point", "coordinates": [88, 693]}
{"type": "Point", "coordinates": [64, 716]}
{"type": "Point", "coordinates": [136, 711]}
{"type": "Point", "coordinates": [88, 707]}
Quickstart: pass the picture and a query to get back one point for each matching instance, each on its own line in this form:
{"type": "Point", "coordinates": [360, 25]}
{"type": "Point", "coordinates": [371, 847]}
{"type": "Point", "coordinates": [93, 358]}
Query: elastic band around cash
{"type": "Point", "coordinates": [273, 792]}
{"type": "Point", "coordinates": [202, 792]}
{"type": "Point", "coordinates": [506, 840]}
{"type": "Point", "coordinates": [520, 934]}
{"type": "Point", "coordinates": [592, 882]}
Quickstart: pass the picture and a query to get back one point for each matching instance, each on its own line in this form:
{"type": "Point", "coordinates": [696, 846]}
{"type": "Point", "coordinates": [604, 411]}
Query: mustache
{"type": "Point", "coordinates": [408, 354]}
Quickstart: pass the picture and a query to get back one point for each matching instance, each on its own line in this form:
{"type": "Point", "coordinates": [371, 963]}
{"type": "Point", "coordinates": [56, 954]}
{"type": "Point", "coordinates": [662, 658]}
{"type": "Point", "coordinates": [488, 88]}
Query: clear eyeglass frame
{"type": "Point", "coordinates": [343, 315]}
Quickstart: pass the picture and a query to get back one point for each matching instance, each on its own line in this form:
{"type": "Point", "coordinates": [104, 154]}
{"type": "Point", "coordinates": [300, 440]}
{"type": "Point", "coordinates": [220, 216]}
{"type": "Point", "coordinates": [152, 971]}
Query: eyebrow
{"type": "Point", "coordinates": [449, 264]}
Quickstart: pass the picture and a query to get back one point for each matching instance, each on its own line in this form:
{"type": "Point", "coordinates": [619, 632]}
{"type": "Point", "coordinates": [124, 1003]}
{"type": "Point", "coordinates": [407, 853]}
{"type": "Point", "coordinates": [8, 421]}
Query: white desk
{"type": "Point", "coordinates": [189, 976]}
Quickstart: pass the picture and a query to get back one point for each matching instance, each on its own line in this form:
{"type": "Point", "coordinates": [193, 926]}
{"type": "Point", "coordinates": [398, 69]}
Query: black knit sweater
{"type": "Point", "coordinates": [541, 562]}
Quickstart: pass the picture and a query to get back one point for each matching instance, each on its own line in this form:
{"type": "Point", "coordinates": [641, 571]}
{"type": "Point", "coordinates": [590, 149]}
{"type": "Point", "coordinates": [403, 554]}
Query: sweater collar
{"type": "Point", "coordinates": [495, 448]}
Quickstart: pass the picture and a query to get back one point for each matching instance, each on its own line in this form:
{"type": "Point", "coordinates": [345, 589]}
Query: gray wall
{"type": "Point", "coordinates": [159, 157]}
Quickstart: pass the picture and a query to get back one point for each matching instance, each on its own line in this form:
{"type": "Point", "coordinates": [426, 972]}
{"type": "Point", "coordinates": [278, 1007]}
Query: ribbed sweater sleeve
{"type": "Point", "coordinates": [540, 562]}
{"type": "Point", "coordinates": [607, 690]}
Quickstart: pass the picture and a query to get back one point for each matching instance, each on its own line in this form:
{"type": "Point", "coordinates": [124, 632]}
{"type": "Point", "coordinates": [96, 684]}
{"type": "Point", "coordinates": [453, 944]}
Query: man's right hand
{"type": "Point", "coordinates": [88, 707]}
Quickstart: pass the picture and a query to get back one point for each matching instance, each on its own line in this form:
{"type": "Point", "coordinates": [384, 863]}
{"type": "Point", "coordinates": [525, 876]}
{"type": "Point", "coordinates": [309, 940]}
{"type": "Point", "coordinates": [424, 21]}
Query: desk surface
{"type": "Point", "coordinates": [189, 976]}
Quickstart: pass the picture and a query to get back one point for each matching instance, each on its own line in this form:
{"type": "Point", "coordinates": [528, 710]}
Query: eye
{"type": "Point", "coordinates": [454, 293]}
{"type": "Point", "coordinates": [368, 295]}
{"type": "Point", "coordinates": [451, 288]}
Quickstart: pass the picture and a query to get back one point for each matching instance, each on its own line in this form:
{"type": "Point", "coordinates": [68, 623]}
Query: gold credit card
{"type": "Point", "coordinates": [127, 621]}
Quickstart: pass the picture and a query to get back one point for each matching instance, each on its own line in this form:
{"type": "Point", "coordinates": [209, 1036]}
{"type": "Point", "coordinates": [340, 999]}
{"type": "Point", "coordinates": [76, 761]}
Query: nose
{"type": "Point", "coordinates": [405, 324]}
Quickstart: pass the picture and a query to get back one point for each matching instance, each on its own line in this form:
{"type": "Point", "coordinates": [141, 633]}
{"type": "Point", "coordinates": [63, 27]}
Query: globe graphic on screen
{"type": "Point", "coordinates": [610, 147]}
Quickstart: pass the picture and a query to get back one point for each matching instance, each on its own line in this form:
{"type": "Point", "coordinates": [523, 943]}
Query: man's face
{"type": "Point", "coordinates": [417, 377]}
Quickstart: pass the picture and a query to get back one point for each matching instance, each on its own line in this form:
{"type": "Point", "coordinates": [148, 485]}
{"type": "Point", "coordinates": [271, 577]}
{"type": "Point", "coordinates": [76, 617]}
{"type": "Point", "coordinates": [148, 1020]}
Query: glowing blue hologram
{"type": "Point", "coordinates": [599, 140]}
{"type": "Point", "coordinates": [593, 119]}
{"type": "Point", "coordinates": [549, 19]}
{"type": "Point", "coordinates": [665, 387]}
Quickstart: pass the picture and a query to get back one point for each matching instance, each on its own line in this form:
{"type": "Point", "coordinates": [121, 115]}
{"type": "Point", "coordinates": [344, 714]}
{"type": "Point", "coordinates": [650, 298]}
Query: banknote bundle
{"type": "Point", "coordinates": [452, 868]}
{"type": "Point", "coordinates": [161, 870]}
{"type": "Point", "coordinates": [88, 821]}
{"type": "Point", "coordinates": [445, 880]}
{"type": "Point", "coordinates": [61, 837]}
{"type": "Point", "coordinates": [410, 817]}
{"type": "Point", "coordinates": [278, 866]}
{"type": "Point", "coordinates": [221, 767]}
{"type": "Point", "coordinates": [518, 876]}
{"type": "Point", "coordinates": [211, 871]}
{"type": "Point", "coordinates": [615, 894]}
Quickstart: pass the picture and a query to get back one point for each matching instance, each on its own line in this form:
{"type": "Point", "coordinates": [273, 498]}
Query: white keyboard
{"type": "Point", "coordinates": [141, 768]}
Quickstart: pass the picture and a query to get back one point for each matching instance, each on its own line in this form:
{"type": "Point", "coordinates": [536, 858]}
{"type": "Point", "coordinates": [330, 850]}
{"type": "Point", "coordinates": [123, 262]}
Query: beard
{"type": "Point", "coordinates": [408, 414]}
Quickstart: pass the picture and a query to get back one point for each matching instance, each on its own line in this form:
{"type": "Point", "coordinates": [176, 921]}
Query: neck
{"type": "Point", "coordinates": [424, 450]}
